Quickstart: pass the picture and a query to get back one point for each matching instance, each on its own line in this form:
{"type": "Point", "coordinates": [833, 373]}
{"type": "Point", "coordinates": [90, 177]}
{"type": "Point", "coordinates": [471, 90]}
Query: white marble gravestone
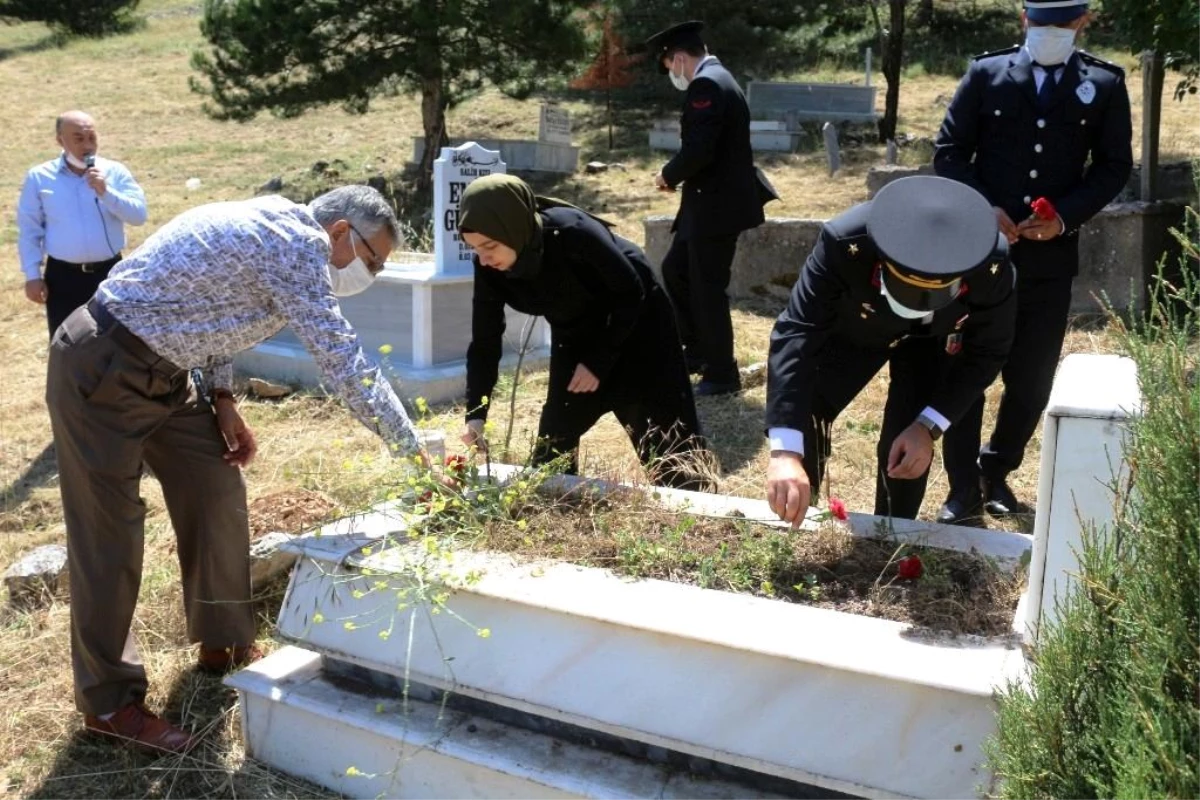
{"type": "Point", "coordinates": [419, 308]}
{"type": "Point", "coordinates": [554, 125]}
{"type": "Point", "coordinates": [454, 170]}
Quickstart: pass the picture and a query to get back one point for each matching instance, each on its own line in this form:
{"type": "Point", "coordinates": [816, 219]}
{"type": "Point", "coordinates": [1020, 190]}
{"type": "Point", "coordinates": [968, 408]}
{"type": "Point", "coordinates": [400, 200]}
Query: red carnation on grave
{"type": "Point", "coordinates": [838, 509]}
{"type": "Point", "coordinates": [910, 568]}
{"type": "Point", "coordinates": [456, 466]}
{"type": "Point", "coordinates": [1044, 209]}
{"type": "Point", "coordinates": [425, 502]}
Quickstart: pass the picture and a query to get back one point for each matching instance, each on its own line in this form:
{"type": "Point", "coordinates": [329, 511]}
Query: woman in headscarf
{"type": "Point", "coordinates": [615, 344]}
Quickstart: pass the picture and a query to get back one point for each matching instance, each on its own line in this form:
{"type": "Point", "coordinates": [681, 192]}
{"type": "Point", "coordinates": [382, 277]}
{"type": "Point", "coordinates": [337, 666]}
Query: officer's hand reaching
{"type": "Point", "coordinates": [661, 184]}
{"type": "Point", "coordinates": [911, 453]}
{"type": "Point", "coordinates": [1007, 226]}
{"type": "Point", "coordinates": [473, 436]}
{"type": "Point", "coordinates": [584, 380]}
{"type": "Point", "coordinates": [788, 490]}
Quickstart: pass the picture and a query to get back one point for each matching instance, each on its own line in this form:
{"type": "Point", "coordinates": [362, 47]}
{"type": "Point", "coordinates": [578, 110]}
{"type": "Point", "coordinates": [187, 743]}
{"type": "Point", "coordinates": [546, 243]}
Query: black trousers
{"type": "Point", "coordinates": [916, 366]}
{"type": "Point", "coordinates": [68, 286]}
{"type": "Point", "coordinates": [696, 273]}
{"type": "Point", "coordinates": [649, 392]}
{"type": "Point", "coordinates": [1043, 305]}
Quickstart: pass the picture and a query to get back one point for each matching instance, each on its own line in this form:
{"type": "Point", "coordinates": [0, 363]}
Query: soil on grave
{"type": "Point", "coordinates": [290, 511]}
{"type": "Point", "coordinates": [957, 594]}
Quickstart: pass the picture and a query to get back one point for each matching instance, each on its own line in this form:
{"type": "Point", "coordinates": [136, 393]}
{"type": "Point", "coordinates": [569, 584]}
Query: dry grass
{"type": "Point", "coordinates": [136, 87]}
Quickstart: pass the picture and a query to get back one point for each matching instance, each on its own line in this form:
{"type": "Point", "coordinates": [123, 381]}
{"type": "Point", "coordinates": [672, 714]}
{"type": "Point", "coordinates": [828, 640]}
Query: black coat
{"type": "Point", "coordinates": [722, 194]}
{"type": "Point", "coordinates": [593, 288]}
{"type": "Point", "coordinates": [995, 139]}
{"type": "Point", "coordinates": [838, 296]}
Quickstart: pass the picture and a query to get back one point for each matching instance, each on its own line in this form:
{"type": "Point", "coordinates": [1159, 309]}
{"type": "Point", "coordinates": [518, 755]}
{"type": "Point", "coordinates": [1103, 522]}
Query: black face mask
{"type": "Point", "coordinates": [529, 260]}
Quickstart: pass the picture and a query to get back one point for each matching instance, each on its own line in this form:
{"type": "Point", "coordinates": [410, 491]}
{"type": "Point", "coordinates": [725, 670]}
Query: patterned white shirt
{"type": "Point", "coordinates": [221, 278]}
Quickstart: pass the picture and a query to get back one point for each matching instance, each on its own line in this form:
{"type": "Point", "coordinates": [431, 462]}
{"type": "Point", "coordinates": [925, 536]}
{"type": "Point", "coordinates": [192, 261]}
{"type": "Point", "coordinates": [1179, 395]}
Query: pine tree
{"type": "Point", "coordinates": [286, 56]}
{"type": "Point", "coordinates": [609, 70]}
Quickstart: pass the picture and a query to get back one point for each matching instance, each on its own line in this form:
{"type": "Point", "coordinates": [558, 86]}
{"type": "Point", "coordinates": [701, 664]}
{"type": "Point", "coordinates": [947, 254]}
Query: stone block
{"type": "Point", "coordinates": [38, 577]}
{"type": "Point", "coordinates": [269, 559]}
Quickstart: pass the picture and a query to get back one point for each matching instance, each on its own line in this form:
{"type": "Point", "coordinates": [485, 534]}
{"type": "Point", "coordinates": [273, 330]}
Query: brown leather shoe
{"type": "Point", "coordinates": [227, 659]}
{"type": "Point", "coordinates": [135, 725]}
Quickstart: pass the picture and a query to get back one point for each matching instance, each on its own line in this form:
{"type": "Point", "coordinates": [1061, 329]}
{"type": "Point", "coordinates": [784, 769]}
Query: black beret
{"type": "Point", "coordinates": [685, 34]}
{"type": "Point", "coordinates": [930, 231]}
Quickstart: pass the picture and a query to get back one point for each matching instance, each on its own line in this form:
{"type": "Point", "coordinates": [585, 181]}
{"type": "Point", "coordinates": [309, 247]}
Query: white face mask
{"type": "Point", "coordinates": [678, 81]}
{"type": "Point", "coordinates": [1049, 45]}
{"type": "Point", "coordinates": [901, 311]}
{"type": "Point", "coordinates": [75, 162]}
{"type": "Point", "coordinates": [352, 278]}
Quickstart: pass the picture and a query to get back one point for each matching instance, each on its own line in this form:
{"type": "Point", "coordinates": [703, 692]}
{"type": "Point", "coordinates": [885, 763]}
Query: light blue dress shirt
{"type": "Point", "coordinates": [59, 215]}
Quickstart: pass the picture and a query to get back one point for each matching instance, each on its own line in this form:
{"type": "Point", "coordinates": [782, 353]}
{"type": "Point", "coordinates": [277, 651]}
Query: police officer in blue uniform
{"type": "Point", "coordinates": [1041, 120]}
{"type": "Point", "coordinates": [918, 279]}
{"type": "Point", "coordinates": [723, 195]}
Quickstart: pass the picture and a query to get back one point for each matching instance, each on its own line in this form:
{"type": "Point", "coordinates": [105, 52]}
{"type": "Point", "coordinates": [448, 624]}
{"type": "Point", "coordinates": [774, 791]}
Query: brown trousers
{"type": "Point", "coordinates": [114, 404]}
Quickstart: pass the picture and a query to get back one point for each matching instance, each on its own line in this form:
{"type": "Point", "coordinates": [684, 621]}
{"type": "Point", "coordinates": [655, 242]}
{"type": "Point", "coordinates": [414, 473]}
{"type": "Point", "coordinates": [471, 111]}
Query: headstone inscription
{"type": "Point", "coordinates": [453, 171]}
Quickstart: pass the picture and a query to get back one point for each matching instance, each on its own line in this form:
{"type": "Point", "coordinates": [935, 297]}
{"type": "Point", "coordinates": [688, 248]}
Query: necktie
{"type": "Point", "coordinates": [1047, 91]}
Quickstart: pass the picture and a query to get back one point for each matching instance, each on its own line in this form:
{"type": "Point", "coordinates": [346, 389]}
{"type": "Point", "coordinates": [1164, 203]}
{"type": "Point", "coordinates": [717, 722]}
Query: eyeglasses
{"type": "Point", "coordinates": [377, 264]}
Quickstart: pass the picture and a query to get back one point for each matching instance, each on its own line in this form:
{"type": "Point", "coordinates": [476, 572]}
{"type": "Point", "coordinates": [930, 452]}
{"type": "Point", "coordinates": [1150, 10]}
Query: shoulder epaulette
{"type": "Point", "coordinates": [1096, 61]}
{"type": "Point", "coordinates": [1007, 51]}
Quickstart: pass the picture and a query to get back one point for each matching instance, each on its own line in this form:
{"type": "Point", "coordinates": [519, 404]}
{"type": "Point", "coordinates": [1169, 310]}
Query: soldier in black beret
{"type": "Point", "coordinates": [1043, 131]}
{"type": "Point", "coordinates": [918, 279]}
{"type": "Point", "coordinates": [723, 195]}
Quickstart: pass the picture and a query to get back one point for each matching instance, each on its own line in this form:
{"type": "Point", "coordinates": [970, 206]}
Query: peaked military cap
{"type": "Point", "coordinates": [1054, 12]}
{"type": "Point", "coordinates": [685, 34]}
{"type": "Point", "coordinates": [930, 232]}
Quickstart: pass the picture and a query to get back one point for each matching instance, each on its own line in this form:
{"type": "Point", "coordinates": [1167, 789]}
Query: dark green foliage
{"type": "Point", "coordinates": [75, 17]}
{"type": "Point", "coordinates": [1113, 706]}
{"type": "Point", "coordinates": [287, 56]}
{"type": "Point", "coordinates": [1171, 27]}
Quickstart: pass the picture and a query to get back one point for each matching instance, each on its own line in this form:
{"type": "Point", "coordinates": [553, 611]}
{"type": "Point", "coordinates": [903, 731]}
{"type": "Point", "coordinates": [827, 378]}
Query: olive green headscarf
{"type": "Point", "coordinates": [504, 208]}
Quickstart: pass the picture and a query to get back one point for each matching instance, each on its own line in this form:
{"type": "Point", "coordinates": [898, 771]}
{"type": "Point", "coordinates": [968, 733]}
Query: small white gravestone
{"type": "Point", "coordinates": [452, 172]}
{"type": "Point", "coordinates": [554, 126]}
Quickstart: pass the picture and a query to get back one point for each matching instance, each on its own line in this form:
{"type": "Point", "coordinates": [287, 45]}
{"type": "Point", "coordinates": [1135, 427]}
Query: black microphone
{"type": "Point", "coordinates": [89, 160]}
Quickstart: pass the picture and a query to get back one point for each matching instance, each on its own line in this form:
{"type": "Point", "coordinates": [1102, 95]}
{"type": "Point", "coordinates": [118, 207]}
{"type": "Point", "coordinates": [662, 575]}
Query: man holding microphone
{"type": "Point", "coordinates": [72, 214]}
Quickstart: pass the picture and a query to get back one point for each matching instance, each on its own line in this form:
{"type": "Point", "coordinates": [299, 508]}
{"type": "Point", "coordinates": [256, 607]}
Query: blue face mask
{"type": "Point", "coordinates": [1049, 45]}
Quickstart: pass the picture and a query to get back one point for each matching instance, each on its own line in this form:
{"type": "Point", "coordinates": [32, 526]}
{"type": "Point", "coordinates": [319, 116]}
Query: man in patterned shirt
{"type": "Point", "coordinates": [214, 281]}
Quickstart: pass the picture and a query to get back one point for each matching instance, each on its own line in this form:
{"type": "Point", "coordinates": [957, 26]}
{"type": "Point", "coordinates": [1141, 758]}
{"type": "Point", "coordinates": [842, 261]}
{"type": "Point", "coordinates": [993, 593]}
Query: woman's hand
{"type": "Point", "coordinates": [473, 436]}
{"type": "Point", "coordinates": [583, 380]}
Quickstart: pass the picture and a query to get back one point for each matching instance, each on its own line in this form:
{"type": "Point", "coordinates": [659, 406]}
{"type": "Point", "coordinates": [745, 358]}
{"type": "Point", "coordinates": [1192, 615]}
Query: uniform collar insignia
{"type": "Point", "coordinates": [995, 267]}
{"type": "Point", "coordinates": [852, 249]}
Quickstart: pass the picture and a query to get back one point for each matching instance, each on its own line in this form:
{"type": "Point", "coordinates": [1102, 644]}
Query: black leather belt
{"type": "Point", "coordinates": [89, 267]}
{"type": "Point", "coordinates": [109, 325]}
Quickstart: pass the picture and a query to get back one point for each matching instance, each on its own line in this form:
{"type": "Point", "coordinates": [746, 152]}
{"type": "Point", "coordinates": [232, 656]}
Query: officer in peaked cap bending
{"type": "Point", "coordinates": [918, 279]}
{"type": "Point", "coordinates": [1042, 130]}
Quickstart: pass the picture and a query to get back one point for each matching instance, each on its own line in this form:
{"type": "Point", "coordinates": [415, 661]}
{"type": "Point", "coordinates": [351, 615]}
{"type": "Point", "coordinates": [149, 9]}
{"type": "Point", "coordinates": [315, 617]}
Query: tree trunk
{"type": "Point", "coordinates": [893, 56]}
{"type": "Point", "coordinates": [608, 97]}
{"type": "Point", "coordinates": [433, 120]}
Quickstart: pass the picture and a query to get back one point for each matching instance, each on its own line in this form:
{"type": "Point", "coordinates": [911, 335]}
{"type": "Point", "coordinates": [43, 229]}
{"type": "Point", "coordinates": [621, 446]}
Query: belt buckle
{"type": "Point", "coordinates": [87, 269]}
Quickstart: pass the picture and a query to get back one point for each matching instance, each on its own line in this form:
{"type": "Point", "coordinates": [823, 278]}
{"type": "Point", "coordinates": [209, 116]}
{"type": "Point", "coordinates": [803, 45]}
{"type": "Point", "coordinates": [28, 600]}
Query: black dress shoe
{"type": "Point", "coordinates": [999, 500]}
{"type": "Point", "coordinates": [964, 505]}
{"type": "Point", "coordinates": [714, 388]}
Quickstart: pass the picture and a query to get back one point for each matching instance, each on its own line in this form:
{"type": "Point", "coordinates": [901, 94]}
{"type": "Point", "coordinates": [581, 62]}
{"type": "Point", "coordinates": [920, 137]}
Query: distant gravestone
{"type": "Point", "coordinates": [38, 577]}
{"type": "Point", "coordinates": [554, 126]}
{"type": "Point", "coordinates": [452, 173]}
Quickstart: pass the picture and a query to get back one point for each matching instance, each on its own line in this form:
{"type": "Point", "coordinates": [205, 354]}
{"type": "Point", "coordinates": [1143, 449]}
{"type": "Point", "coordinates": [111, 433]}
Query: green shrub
{"type": "Point", "coordinates": [75, 17]}
{"type": "Point", "coordinates": [1112, 706]}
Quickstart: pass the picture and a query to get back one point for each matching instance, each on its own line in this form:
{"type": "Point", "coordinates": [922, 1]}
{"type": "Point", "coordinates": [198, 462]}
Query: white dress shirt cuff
{"type": "Point", "coordinates": [938, 419]}
{"type": "Point", "coordinates": [786, 439]}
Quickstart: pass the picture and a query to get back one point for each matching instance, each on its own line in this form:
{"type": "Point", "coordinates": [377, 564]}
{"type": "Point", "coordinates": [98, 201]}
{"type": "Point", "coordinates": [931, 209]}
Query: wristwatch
{"type": "Point", "coordinates": [935, 432]}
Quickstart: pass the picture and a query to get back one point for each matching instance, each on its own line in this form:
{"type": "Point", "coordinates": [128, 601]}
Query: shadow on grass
{"type": "Point", "coordinates": [47, 42]}
{"type": "Point", "coordinates": [39, 473]}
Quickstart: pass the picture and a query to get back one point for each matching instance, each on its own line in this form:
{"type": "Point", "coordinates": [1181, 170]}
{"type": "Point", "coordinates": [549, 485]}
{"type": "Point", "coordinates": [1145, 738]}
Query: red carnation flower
{"type": "Point", "coordinates": [1044, 209]}
{"type": "Point", "coordinates": [456, 465]}
{"type": "Point", "coordinates": [838, 509]}
{"type": "Point", "coordinates": [425, 502]}
{"type": "Point", "coordinates": [910, 568]}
